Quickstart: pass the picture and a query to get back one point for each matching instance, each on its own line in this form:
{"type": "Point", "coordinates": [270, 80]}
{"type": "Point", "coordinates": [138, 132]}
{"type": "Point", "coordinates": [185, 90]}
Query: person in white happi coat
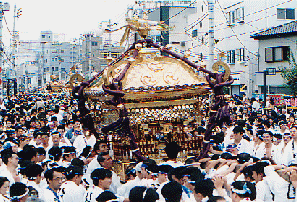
{"type": "Point", "coordinates": [33, 173]}
{"type": "Point", "coordinates": [9, 168]}
{"type": "Point", "coordinates": [263, 192]}
{"type": "Point", "coordinates": [103, 160]}
{"type": "Point", "coordinates": [54, 178]}
{"type": "Point", "coordinates": [172, 149]}
{"type": "Point", "coordinates": [72, 189]}
{"type": "Point", "coordinates": [68, 153]}
{"type": "Point", "coordinates": [242, 145]}
{"type": "Point", "coordinates": [106, 162]}
{"type": "Point", "coordinates": [102, 179]}
{"type": "Point", "coordinates": [86, 139]}
{"type": "Point", "coordinates": [100, 146]}
{"type": "Point", "coordinates": [290, 153]}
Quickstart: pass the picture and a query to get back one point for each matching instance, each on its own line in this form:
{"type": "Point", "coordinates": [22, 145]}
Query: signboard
{"type": "Point", "coordinates": [270, 71]}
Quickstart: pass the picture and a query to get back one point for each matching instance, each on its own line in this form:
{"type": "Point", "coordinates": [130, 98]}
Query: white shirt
{"type": "Point", "coordinates": [174, 164]}
{"type": "Point", "coordinates": [263, 192]}
{"type": "Point", "coordinates": [94, 164]}
{"type": "Point", "coordinates": [71, 192]}
{"type": "Point", "coordinates": [244, 146]}
{"type": "Point", "coordinates": [277, 185]}
{"type": "Point", "coordinates": [92, 193]}
{"type": "Point", "coordinates": [125, 189]}
{"type": "Point", "coordinates": [4, 199]}
{"type": "Point", "coordinates": [116, 183]}
{"type": "Point", "coordinates": [38, 187]}
{"type": "Point", "coordinates": [49, 196]}
{"type": "Point", "coordinates": [5, 173]}
{"type": "Point", "coordinates": [290, 153]}
{"type": "Point", "coordinates": [81, 142]}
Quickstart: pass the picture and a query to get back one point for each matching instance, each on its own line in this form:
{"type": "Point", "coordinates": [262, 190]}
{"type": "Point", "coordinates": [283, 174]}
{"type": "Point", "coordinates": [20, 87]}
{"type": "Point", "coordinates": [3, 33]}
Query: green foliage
{"type": "Point", "coordinates": [290, 75]}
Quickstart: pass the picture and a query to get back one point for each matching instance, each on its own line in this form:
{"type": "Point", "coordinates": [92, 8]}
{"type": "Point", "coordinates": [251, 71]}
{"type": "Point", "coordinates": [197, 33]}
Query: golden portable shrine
{"type": "Point", "coordinates": [144, 99]}
{"type": "Point", "coordinates": [161, 98]}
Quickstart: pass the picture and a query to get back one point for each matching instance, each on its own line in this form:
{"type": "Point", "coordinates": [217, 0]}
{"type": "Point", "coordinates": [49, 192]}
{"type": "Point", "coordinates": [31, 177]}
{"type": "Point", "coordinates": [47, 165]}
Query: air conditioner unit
{"type": "Point", "coordinates": [6, 6]}
{"type": "Point", "coordinates": [183, 43]}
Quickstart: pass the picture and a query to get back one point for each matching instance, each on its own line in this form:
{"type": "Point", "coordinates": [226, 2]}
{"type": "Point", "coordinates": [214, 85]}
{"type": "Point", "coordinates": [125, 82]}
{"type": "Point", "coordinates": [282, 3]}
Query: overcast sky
{"type": "Point", "coordinates": [69, 17]}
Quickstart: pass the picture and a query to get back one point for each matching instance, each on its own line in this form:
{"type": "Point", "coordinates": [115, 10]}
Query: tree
{"type": "Point", "coordinates": [290, 75]}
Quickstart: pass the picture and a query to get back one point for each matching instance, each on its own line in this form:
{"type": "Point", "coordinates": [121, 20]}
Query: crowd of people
{"type": "Point", "coordinates": [48, 155]}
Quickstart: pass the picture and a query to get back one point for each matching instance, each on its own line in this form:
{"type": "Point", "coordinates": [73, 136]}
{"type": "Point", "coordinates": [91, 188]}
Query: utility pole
{"type": "Point", "coordinates": [109, 39]}
{"type": "Point", "coordinates": [3, 7]}
{"type": "Point", "coordinates": [211, 34]}
{"type": "Point", "coordinates": [16, 14]}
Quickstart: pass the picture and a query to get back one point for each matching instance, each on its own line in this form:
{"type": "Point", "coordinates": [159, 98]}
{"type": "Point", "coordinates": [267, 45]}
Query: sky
{"type": "Point", "coordinates": [68, 18]}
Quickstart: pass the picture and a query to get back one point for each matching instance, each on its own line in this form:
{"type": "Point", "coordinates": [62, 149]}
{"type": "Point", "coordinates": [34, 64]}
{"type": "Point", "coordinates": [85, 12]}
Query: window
{"type": "Point", "coordinates": [240, 54]}
{"type": "Point", "coordinates": [53, 69]}
{"type": "Point", "coordinates": [277, 54]}
{"type": "Point", "coordinates": [234, 16]}
{"type": "Point", "coordinates": [286, 13]}
{"type": "Point", "coordinates": [231, 17]}
{"type": "Point", "coordinates": [62, 51]}
{"type": "Point", "coordinates": [57, 69]}
{"type": "Point", "coordinates": [239, 15]}
{"type": "Point", "coordinates": [29, 80]}
{"type": "Point", "coordinates": [231, 56]}
{"type": "Point", "coordinates": [94, 43]}
{"type": "Point", "coordinates": [200, 24]}
{"type": "Point", "coordinates": [43, 36]}
{"type": "Point", "coordinates": [194, 33]}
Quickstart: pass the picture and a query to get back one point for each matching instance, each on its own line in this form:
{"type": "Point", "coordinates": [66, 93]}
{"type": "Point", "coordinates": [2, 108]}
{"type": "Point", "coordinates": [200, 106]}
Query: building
{"type": "Point", "coordinates": [277, 45]}
{"type": "Point", "coordinates": [95, 51]}
{"type": "Point", "coordinates": [233, 23]}
{"type": "Point", "coordinates": [37, 60]}
{"type": "Point", "coordinates": [175, 15]}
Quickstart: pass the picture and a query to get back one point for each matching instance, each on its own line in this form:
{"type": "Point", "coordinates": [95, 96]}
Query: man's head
{"type": "Point", "coordinates": [54, 178]}
{"type": "Point", "coordinates": [74, 173]}
{"type": "Point", "coordinates": [293, 131]}
{"type": "Point", "coordinates": [105, 160]}
{"type": "Point", "coordinates": [19, 192]}
{"type": "Point", "coordinates": [172, 149]}
{"type": "Point", "coordinates": [237, 133]}
{"type": "Point", "coordinates": [68, 153]}
{"type": "Point", "coordinates": [100, 146]}
{"type": "Point", "coordinates": [10, 158]}
{"type": "Point", "coordinates": [102, 178]}
{"type": "Point", "coordinates": [203, 188]}
{"type": "Point", "coordinates": [267, 137]}
{"type": "Point", "coordinates": [56, 137]}
{"type": "Point", "coordinates": [33, 172]}
{"type": "Point", "coordinates": [258, 170]}
{"type": "Point", "coordinates": [163, 171]}
{"type": "Point", "coordinates": [172, 191]}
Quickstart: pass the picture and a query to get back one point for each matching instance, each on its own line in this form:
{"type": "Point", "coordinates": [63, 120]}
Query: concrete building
{"type": "Point", "coordinates": [277, 46]}
{"type": "Point", "coordinates": [37, 60]}
{"type": "Point", "coordinates": [234, 22]}
{"type": "Point", "coordinates": [175, 14]}
{"type": "Point", "coordinates": [94, 54]}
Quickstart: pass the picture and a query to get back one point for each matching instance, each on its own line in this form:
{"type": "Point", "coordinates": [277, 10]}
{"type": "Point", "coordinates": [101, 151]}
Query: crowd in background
{"type": "Point", "coordinates": [47, 154]}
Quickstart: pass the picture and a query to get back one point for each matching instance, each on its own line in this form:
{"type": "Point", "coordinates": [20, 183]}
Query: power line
{"type": "Point", "coordinates": [7, 26]}
{"type": "Point", "coordinates": [235, 33]}
{"type": "Point", "coordinates": [259, 11]}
